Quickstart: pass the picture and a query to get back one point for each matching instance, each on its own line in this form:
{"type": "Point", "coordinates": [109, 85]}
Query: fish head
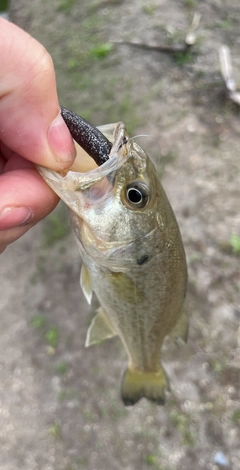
{"type": "Point", "coordinates": [117, 208]}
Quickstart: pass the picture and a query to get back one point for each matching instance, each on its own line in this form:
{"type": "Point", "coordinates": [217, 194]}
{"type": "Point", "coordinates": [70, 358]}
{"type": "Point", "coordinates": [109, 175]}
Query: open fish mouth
{"type": "Point", "coordinates": [107, 145]}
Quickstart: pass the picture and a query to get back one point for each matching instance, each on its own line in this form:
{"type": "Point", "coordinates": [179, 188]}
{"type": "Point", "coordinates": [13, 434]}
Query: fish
{"type": "Point", "coordinates": [133, 258]}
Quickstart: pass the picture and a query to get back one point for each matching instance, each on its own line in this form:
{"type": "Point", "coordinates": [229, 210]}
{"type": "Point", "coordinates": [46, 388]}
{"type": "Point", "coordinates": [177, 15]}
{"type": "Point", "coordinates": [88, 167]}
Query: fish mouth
{"type": "Point", "coordinates": [94, 142]}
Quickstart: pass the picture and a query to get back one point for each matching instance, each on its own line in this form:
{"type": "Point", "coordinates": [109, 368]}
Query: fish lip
{"type": "Point", "coordinates": [74, 180]}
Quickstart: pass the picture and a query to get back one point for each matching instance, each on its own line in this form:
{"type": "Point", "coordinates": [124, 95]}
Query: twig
{"type": "Point", "coordinates": [189, 41]}
{"type": "Point", "coordinates": [153, 47]}
{"type": "Point", "coordinates": [226, 71]}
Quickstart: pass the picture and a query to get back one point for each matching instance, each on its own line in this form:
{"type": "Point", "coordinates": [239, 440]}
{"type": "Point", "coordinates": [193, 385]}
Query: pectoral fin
{"type": "Point", "coordinates": [86, 284]}
{"type": "Point", "coordinates": [99, 330]}
{"type": "Point", "coordinates": [181, 328]}
{"type": "Point", "coordinates": [137, 384]}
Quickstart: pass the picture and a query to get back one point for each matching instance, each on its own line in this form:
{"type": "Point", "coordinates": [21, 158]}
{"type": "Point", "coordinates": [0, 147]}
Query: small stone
{"type": "Point", "coordinates": [220, 459]}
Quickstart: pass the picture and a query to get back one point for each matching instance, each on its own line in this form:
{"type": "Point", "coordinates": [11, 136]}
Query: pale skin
{"type": "Point", "coordinates": [31, 131]}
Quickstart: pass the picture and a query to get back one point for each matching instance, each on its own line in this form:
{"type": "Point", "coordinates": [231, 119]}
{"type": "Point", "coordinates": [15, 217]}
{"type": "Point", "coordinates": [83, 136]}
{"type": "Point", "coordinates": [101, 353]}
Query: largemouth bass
{"type": "Point", "coordinates": [133, 258]}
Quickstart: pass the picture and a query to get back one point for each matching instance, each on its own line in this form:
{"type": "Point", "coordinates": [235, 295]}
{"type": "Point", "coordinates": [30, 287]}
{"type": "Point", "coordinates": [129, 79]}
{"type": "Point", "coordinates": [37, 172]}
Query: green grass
{"type": "Point", "coordinates": [52, 336]}
{"type": "Point", "coordinates": [62, 368]}
{"type": "Point", "coordinates": [38, 321]}
{"type": "Point", "coordinates": [226, 25]}
{"type": "Point", "coordinates": [55, 430]}
{"type": "Point", "coordinates": [181, 58]}
{"type": "Point", "coordinates": [190, 3]}
{"type": "Point", "coordinates": [217, 364]}
{"type": "Point", "coordinates": [149, 8]}
{"type": "Point", "coordinates": [4, 5]}
{"type": "Point", "coordinates": [235, 244]}
{"type": "Point", "coordinates": [183, 423]}
{"type": "Point", "coordinates": [66, 5]}
{"type": "Point", "coordinates": [231, 246]}
{"type": "Point", "coordinates": [100, 51]}
{"type": "Point", "coordinates": [151, 460]}
{"type": "Point", "coordinates": [236, 417]}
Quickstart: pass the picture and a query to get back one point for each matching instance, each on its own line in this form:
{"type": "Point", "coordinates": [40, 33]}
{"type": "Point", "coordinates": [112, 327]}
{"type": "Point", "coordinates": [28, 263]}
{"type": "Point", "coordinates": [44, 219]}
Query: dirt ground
{"type": "Point", "coordinates": [59, 403]}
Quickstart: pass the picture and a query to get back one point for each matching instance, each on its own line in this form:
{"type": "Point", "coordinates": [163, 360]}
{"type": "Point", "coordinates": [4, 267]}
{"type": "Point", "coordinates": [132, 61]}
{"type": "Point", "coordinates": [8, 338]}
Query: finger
{"type": "Point", "coordinates": [2, 163]}
{"type": "Point", "coordinates": [16, 162]}
{"type": "Point", "coordinates": [24, 200]}
{"type": "Point", "coordinates": [31, 124]}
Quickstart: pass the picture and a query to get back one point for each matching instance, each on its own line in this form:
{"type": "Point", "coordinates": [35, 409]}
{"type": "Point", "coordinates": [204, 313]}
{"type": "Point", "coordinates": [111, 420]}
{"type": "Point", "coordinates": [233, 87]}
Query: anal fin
{"type": "Point", "coordinates": [86, 284]}
{"type": "Point", "coordinates": [138, 384]}
{"type": "Point", "coordinates": [100, 329]}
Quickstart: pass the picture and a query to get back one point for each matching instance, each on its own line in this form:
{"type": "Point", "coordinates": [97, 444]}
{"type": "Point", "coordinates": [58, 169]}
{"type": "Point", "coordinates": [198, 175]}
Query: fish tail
{"type": "Point", "coordinates": [137, 384]}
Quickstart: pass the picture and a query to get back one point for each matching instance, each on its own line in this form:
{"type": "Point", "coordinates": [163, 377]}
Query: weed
{"type": "Point", "coordinates": [38, 321]}
{"type": "Point", "coordinates": [235, 244]}
{"type": "Point", "coordinates": [183, 57]}
{"type": "Point", "coordinates": [149, 8]}
{"type": "Point", "coordinates": [190, 3]}
{"type": "Point", "coordinates": [62, 368]}
{"type": "Point", "coordinates": [236, 417]}
{"type": "Point", "coordinates": [4, 5]}
{"type": "Point", "coordinates": [55, 430]}
{"type": "Point", "coordinates": [88, 415]}
{"type": "Point", "coordinates": [73, 63]}
{"type": "Point", "coordinates": [200, 73]}
{"type": "Point", "coordinates": [183, 423]}
{"type": "Point", "coordinates": [66, 5]}
{"type": "Point", "coordinates": [51, 337]}
{"type": "Point", "coordinates": [100, 51]}
{"type": "Point", "coordinates": [218, 364]}
{"type": "Point", "coordinates": [226, 24]}
{"type": "Point", "coordinates": [151, 460]}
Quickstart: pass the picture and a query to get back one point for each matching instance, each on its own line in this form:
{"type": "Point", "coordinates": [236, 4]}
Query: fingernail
{"type": "Point", "coordinates": [61, 142]}
{"type": "Point", "coordinates": [11, 217]}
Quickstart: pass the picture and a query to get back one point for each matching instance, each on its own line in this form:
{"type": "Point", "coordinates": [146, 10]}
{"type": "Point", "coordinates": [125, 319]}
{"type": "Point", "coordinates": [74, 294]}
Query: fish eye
{"type": "Point", "coordinates": [137, 194]}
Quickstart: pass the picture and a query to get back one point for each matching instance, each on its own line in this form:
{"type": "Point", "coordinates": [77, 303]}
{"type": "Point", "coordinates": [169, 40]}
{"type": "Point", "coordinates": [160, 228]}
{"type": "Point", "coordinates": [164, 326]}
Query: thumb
{"type": "Point", "coordinates": [30, 120]}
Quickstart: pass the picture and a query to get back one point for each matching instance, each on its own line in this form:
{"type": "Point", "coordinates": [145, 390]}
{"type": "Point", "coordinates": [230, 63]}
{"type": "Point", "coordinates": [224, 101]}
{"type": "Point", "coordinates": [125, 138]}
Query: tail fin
{"type": "Point", "coordinates": [137, 384]}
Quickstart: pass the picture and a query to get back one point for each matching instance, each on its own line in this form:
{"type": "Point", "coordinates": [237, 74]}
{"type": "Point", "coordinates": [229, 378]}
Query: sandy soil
{"type": "Point", "coordinates": [59, 403]}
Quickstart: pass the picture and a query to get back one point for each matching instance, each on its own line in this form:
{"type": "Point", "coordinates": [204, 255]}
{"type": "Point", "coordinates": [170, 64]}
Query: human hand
{"type": "Point", "coordinates": [31, 131]}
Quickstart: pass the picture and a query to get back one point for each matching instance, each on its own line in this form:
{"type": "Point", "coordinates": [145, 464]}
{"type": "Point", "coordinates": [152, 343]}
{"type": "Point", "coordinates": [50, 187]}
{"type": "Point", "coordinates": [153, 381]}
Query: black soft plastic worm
{"type": "Point", "coordinates": [87, 136]}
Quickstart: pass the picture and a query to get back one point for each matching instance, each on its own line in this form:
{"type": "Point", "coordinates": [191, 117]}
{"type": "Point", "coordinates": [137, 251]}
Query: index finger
{"type": "Point", "coordinates": [30, 119]}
